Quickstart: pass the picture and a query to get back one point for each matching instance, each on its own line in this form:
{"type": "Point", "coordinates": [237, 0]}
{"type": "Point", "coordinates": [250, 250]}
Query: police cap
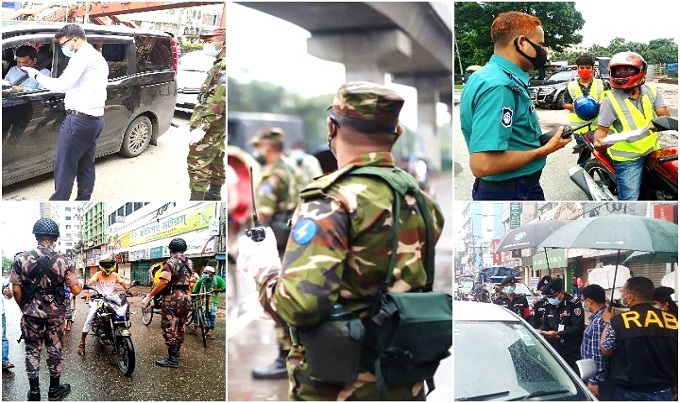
{"type": "Point", "coordinates": [214, 32]}
{"type": "Point", "coordinates": [508, 280]}
{"type": "Point", "coordinates": [543, 282]}
{"type": "Point", "coordinates": [553, 287]}
{"type": "Point", "coordinates": [663, 293]}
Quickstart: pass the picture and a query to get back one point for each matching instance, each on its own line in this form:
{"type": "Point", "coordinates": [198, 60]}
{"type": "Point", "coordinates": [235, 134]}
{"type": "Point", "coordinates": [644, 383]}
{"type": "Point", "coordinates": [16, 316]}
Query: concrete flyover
{"type": "Point", "coordinates": [411, 41]}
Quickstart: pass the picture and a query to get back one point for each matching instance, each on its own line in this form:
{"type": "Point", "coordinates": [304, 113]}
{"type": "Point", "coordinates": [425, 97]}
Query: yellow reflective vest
{"type": "Point", "coordinates": [596, 91]}
{"type": "Point", "coordinates": [632, 118]}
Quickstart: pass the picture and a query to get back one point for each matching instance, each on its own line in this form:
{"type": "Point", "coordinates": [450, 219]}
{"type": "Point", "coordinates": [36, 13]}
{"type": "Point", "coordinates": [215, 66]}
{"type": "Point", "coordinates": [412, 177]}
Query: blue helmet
{"type": "Point", "coordinates": [586, 107]}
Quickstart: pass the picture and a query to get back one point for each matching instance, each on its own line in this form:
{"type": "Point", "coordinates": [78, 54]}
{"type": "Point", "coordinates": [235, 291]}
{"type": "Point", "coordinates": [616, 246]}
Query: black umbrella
{"type": "Point", "coordinates": [616, 232]}
{"type": "Point", "coordinates": [530, 236]}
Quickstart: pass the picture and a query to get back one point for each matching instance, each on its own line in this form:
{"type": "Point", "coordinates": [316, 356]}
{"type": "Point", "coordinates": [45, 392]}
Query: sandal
{"type": "Point", "coordinates": [81, 349]}
{"type": "Point", "coordinates": [209, 336]}
{"type": "Point", "coordinates": [68, 326]}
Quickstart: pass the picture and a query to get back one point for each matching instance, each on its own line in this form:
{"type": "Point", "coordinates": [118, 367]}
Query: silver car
{"type": "Point", "coordinates": [191, 73]}
{"type": "Point", "coordinates": [498, 356]}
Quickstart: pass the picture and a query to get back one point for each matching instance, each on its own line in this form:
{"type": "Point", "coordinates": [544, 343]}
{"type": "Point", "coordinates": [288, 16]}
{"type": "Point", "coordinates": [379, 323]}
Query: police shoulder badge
{"type": "Point", "coordinates": [506, 117]}
{"type": "Point", "coordinates": [304, 231]}
{"type": "Point", "coordinates": [577, 311]}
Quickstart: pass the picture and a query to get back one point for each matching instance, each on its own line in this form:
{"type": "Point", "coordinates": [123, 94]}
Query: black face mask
{"type": "Point", "coordinates": [541, 55]}
{"type": "Point", "coordinates": [259, 158]}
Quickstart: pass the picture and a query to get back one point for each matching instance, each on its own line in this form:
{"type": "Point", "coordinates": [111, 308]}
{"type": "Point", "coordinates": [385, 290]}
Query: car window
{"type": "Point", "coordinates": [44, 47]}
{"type": "Point", "coordinates": [154, 53]}
{"type": "Point", "coordinates": [561, 76]}
{"type": "Point", "coordinates": [506, 361]}
{"type": "Point", "coordinates": [115, 55]}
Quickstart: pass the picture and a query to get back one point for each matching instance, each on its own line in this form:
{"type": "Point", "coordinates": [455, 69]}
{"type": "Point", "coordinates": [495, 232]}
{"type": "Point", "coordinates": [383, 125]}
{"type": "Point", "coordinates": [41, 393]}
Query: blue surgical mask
{"type": "Point", "coordinates": [553, 301]}
{"type": "Point", "coordinates": [67, 52]}
{"type": "Point", "coordinates": [509, 290]}
{"type": "Point", "coordinates": [205, 277]}
{"type": "Point", "coordinates": [622, 300]}
{"type": "Point", "coordinates": [210, 50]}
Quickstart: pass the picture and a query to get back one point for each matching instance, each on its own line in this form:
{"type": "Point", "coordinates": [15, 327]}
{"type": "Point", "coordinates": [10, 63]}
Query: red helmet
{"type": "Point", "coordinates": [627, 70]}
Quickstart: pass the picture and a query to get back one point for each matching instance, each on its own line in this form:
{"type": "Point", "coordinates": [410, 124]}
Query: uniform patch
{"type": "Point", "coordinates": [266, 188]}
{"type": "Point", "coordinates": [304, 231]}
{"type": "Point", "coordinates": [532, 108]}
{"type": "Point", "coordinates": [506, 117]}
{"type": "Point", "coordinates": [577, 311]}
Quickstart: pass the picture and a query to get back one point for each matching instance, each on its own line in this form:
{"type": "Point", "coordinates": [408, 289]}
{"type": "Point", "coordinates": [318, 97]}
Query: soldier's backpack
{"type": "Point", "coordinates": [31, 289]}
{"type": "Point", "coordinates": [408, 333]}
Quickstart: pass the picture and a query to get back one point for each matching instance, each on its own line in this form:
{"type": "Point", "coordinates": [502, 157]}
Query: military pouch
{"type": "Point", "coordinates": [333, 349]}
{"type": "Point", "coordinates": [409, 334]}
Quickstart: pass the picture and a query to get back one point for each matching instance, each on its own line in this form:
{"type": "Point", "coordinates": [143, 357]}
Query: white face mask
{"type": "Point", "coordinates": [210, 50]}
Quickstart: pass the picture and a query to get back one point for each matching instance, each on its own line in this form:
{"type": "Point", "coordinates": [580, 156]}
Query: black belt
{"type": "Point", "coordinates": [85, 115]}
{"type": "Point", "coordinates": [531, 180]}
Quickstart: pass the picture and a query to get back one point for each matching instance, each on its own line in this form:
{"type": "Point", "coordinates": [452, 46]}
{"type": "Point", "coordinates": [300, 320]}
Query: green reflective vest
{"type": "Point", "coordinates": [632, 118]}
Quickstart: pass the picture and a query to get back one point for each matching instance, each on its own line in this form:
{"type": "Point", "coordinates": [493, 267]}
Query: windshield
{"type": "Point", "coordinates": [522, 289]}
{"type": "Point", "coordinates": [561, 76]}
{"type": "Point", "coordinates": [506, 361]}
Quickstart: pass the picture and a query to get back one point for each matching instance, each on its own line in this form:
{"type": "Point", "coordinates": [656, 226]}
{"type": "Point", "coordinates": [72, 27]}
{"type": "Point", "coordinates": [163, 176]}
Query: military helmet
{"type": "Point", "coordinates": [177, 245]}
{"type": "Point", "coordinates": [107, 264]}
{"type": "Point", "coordinates": [46, 226]}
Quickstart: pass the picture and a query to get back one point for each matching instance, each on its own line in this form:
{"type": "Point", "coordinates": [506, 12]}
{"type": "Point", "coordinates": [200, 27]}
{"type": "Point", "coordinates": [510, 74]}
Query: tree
{"type": "Point", "coordinates": [560, 21]}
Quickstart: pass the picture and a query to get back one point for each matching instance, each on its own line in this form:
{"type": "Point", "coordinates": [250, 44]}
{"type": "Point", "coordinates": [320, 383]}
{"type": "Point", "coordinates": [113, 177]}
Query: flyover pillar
{"type": "Point", "coordinates": [427, 141]}
{"type": "Point", "coordinates": [366, 55]}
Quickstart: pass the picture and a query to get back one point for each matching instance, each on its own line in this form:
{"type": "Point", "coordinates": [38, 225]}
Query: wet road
{"type": "Point", "coordinates": [251, 333]}
{"type": "Point", "coordinates": [201, 375]}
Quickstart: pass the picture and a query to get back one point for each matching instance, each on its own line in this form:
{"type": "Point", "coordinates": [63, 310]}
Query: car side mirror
{"type": "Point", "coordinates": [587, 368]}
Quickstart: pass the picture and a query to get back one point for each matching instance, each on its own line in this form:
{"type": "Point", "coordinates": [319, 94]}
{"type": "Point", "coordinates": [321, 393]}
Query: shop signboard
{"type": "Point", "coordinates": [168, 227]}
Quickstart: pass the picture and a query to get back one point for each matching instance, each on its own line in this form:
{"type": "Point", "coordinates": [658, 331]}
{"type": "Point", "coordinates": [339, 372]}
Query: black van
{"type": "Point", "coordinates": [139, 108]}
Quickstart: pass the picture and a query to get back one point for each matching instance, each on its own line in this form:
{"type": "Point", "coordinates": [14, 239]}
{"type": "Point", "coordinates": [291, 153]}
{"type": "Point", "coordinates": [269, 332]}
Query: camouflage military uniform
{"type": "Point", "coordinates": [340, 243]}
{"type": "Point", "coordinates": [277, 196]}
{"type": "Point", "coordinates": [205, 161]}
{"type": "Point", "coordinates": [176, 304]}
{"type": "Point", "coordinates": [43, 316]}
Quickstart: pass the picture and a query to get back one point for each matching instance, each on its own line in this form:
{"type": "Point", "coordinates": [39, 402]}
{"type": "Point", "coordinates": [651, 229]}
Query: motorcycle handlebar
{"type": "Point", "coordinates": [668, 158]}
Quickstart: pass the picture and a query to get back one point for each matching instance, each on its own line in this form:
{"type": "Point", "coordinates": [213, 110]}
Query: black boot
{"type": "Point", "coordinates": [57, 391]}
{"type": "Point", "coordinates": [214, 193]}
{"type": "Point", "coordinates": [275, 370]}
{"type": "Point", "coordinates": [197, 195]}
{"type": "Point", "coordinates": [171, 362]}
{"type": "Point", "coordinates": [34, 391]}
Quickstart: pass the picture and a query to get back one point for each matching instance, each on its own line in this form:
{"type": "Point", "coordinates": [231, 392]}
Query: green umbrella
{"type": "Point", "coordinates": [616, 232]}
{"type": "Point", "coordinates": [651, 257]}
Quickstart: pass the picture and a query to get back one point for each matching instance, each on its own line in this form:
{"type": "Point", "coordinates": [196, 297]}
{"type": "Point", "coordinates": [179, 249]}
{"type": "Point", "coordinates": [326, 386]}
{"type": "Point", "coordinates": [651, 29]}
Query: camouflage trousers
{"type": "Point", "coordinates": [173, 316]}
{"type": "Point", "coordinates": [301, 387]}
{"type": "Point", "coordinates": [205, 162]}
{"type": "Point", "coordinates": [283, 337]}
{"type": "Point", "coordinates": [37, 331]}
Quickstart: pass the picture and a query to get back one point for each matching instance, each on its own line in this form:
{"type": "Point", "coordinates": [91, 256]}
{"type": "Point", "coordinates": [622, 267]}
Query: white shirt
{"type": "Point", "coordinates": [83, 81]}
{"type": "Point", "coordinates": [105, 284]}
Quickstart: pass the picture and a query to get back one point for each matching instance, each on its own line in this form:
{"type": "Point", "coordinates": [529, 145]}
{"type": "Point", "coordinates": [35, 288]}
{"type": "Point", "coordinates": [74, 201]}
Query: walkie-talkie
{"type": "Point", "coordinates": [257, 233]}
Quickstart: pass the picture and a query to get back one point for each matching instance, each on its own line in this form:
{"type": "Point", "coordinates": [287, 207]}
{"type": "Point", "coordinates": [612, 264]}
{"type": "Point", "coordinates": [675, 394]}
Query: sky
{"type": "Point", "coordinates": [634, 21]}
{"type": "Point", "coordinates": [16, 223]}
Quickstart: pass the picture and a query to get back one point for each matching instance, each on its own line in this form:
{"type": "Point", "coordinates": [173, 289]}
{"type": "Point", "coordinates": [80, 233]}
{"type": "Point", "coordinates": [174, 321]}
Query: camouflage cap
{"type": "Point", "coordinates": [214, 32]}
{"type": "Point", "coordinates": [275, 134]}
{"type": "Point", "coordinates": [368, 102]}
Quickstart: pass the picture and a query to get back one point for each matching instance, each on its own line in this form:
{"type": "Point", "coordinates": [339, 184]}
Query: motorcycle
{"type": "Point", "coordinates": [111, 324]}
{"type": "Point", "coordinates": [595, 171]}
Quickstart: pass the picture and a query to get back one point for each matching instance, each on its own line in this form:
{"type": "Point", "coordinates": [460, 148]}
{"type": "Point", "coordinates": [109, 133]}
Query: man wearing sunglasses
{"type": "Point", "coordinates": [563, 322]}
{"type": "Point", "coordinates": [84, 84]}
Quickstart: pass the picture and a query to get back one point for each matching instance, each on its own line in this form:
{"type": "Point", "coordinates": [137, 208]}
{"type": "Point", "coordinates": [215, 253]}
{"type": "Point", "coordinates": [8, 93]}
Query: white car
{"type": "Point", "coordinates": [191, 73]}
{"type": "Point", "coordinates": [498, 356]}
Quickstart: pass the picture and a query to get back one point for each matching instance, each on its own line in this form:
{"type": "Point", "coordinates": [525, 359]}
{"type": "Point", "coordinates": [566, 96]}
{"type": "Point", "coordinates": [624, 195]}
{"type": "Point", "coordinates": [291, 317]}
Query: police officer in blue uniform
{"type": "Point", "coordinates": [563, 322]}
{"type": "Point", "coordinates": [498, 117]}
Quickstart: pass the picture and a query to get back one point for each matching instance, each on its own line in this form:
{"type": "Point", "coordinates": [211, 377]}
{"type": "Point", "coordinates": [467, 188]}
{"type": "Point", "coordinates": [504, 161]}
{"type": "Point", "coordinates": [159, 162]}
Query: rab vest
{"type": "Point", "coordinates": [631, 118]}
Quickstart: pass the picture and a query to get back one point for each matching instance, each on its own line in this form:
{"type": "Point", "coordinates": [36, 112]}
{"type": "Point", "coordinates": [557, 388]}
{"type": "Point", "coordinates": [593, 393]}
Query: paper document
{"type": "Point", "coordinates": [624, 136]}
